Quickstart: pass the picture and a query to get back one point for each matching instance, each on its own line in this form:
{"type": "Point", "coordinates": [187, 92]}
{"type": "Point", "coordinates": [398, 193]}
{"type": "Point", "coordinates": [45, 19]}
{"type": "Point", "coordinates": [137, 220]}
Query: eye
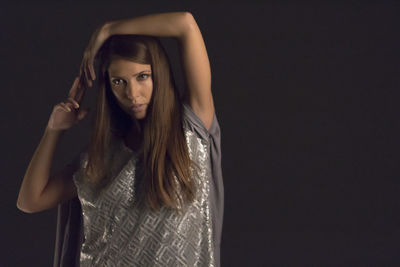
{"type": "Point", "coordinates": [144, 76]}
{"type": "Point", "coordinates": [116, 82]}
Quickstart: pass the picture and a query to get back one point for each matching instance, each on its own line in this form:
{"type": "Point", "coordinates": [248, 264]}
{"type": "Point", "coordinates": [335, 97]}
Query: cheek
{"type": "Point", "coordinates": [150, 89]}
{"type": "Point", "coordinates": [116, 94]}
{"type": "Point", "coordinates": [118, 97]}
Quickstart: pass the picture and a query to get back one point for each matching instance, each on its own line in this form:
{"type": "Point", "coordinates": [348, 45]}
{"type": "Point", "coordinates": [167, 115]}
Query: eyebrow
{"type": "Point", "coordinates": [118, 76]}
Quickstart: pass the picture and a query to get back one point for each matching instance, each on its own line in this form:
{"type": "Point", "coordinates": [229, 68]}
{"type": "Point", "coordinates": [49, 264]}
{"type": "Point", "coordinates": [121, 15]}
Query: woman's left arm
{"type": "Point", "coordinates": [196, 65]}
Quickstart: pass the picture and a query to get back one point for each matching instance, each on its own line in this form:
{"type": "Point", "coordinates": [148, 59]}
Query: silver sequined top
{"type": "Point", "coordinates": [119, 230]}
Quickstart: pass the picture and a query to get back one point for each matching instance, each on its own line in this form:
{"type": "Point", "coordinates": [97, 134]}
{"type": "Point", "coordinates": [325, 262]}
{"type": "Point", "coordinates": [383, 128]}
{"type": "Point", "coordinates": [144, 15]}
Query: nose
{"type": "Point", "coordinates": [132, 91]}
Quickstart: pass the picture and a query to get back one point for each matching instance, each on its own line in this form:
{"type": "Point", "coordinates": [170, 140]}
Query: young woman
{"type": "Point", "coordinates": [147, 190]}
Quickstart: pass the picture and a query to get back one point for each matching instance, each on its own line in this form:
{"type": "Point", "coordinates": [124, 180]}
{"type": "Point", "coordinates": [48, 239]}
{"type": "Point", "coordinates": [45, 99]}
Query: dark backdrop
{"type": "Point", "coordinates": [307, 99]}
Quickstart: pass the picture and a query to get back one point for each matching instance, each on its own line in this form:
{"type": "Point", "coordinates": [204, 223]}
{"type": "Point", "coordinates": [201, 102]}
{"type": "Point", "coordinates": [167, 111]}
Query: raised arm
{"type": "Point", "coordinates": [196, 66]}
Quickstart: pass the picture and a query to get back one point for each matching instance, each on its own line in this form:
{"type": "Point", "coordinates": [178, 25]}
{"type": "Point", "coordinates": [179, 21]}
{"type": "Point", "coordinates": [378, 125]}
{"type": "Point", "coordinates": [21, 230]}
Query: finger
{"type": "Point", "coordinates": [81, 66]}
{"type": "Point", "coordinates": [84, 68]}
{"type": "Point", "coordinates": [78, 91]}
{"type": "Point", "coordinates": [73, 101]}
{"type": "Point", "coordinates": [82, 114]}
{"type": "Point", "coordinates": [71, 106]}
{"type": "Point", "coordinates": [81, 84]}
{"type": "Point", "coordinates": [88, 74]}
{"type": "Point", "coordinates": [78, 95]}
{"type": "Point", "coordinates": [81, 91]}
{"type": "Point", "coordinates": [92, 69]}
{"type": "Point", "coordinates": [85, 71]}
{"type": "Point", "coordinates": [72, 91]}
{"type": "Point", "coordinates": [58, 106]}
{"type": "Point", "coordinates": [65, 107]}
{"type": "Point", "coordinates": [89, 82]}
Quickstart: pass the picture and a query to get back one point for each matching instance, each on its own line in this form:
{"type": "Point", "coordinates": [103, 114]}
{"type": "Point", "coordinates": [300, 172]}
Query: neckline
{"type": "Point", "coordinates": [126, 148]}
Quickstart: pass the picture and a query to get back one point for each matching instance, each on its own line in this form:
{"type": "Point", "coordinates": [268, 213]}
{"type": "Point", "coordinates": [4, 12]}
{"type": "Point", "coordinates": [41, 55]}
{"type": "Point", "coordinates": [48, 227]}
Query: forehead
{"type": "Point", "coordinates": [126, 67]}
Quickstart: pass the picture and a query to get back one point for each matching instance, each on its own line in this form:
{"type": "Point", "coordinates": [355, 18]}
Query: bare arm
{"type": "Point", "coordinates": [38, 171]}
{"type": "Point", "coordinates": [172, 24]}
{"type": "Point", "coordinates": [38, 190]}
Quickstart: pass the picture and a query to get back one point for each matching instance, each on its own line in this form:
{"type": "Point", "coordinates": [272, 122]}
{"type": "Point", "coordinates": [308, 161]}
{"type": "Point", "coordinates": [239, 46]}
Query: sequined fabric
{"type": "Point", "coordinates": [120, 230]}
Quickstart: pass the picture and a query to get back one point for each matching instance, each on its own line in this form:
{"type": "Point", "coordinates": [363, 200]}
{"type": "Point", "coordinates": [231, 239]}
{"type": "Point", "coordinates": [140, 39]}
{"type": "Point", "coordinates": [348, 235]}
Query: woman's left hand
{"type": "Point", "coordinates": [97, 39]}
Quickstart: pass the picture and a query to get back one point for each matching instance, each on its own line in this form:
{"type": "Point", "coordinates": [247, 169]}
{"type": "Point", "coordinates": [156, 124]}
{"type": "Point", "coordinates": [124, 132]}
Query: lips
{"type": "Point", "coordinates": [137, 107]}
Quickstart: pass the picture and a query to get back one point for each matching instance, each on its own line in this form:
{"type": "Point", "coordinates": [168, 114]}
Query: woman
{"type": "Point", "coordinates": [147, 190]}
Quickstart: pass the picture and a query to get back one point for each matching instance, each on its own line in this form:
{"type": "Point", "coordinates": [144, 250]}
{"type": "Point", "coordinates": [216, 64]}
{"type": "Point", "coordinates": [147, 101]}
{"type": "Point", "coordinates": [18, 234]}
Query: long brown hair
{"type": "Point", "coordinates": [165, 157]}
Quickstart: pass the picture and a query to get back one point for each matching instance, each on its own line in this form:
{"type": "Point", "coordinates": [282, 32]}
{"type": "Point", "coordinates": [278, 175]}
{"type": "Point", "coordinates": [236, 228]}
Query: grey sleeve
{"type": "Point", "coordinates": [197, 125]}
{"type": "Point", "coordinates": [69, 230]}
{"type": "Point", "coordinates": [213, 135]}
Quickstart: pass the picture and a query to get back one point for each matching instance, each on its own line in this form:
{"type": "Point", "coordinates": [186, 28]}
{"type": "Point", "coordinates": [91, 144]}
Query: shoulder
{"type": "Point", "coordinates": [193, 122]}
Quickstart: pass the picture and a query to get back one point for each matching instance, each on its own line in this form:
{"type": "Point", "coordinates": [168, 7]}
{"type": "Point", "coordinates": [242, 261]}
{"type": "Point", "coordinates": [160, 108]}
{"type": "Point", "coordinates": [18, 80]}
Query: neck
{"type": "Point", "coordinates": [137, 126]}
{"type": "Point", "coordinates": [134, 137]}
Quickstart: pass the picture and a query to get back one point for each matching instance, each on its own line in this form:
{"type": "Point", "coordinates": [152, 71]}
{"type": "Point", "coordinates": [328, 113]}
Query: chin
{"type": "Point", "coordinates": [139, 116]}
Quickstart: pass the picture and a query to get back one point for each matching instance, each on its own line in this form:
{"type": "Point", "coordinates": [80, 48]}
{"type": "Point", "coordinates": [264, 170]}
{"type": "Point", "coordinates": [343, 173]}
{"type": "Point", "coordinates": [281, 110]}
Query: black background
{"type": "Point", "coordinates": [307, 99]}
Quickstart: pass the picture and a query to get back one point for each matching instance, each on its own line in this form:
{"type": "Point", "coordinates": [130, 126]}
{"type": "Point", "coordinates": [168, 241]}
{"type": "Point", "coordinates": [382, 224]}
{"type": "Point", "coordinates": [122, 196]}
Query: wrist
{"type": "Point", "coordinates": [55, 132]}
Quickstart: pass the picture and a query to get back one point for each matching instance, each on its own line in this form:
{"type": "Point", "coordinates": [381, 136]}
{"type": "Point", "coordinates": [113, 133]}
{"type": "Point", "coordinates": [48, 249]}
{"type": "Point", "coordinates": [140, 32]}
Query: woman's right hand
{"type": "Point", "coordinates": [66, 114]}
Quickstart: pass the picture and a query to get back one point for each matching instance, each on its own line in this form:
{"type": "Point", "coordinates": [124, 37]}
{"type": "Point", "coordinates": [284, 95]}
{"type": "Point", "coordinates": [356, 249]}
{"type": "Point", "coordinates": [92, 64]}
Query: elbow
{"type": "Point", "coordinates": [24, 208]}
{"type": "Point", "coordinates": [187, 15]}
{"type": "Point", "coordinates": [188, 22]}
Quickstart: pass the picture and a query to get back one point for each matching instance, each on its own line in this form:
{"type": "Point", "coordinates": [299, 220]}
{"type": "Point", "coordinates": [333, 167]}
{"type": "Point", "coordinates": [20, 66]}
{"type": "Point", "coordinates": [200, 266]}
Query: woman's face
{"type": "Point", "coordinates": [132, 84]}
